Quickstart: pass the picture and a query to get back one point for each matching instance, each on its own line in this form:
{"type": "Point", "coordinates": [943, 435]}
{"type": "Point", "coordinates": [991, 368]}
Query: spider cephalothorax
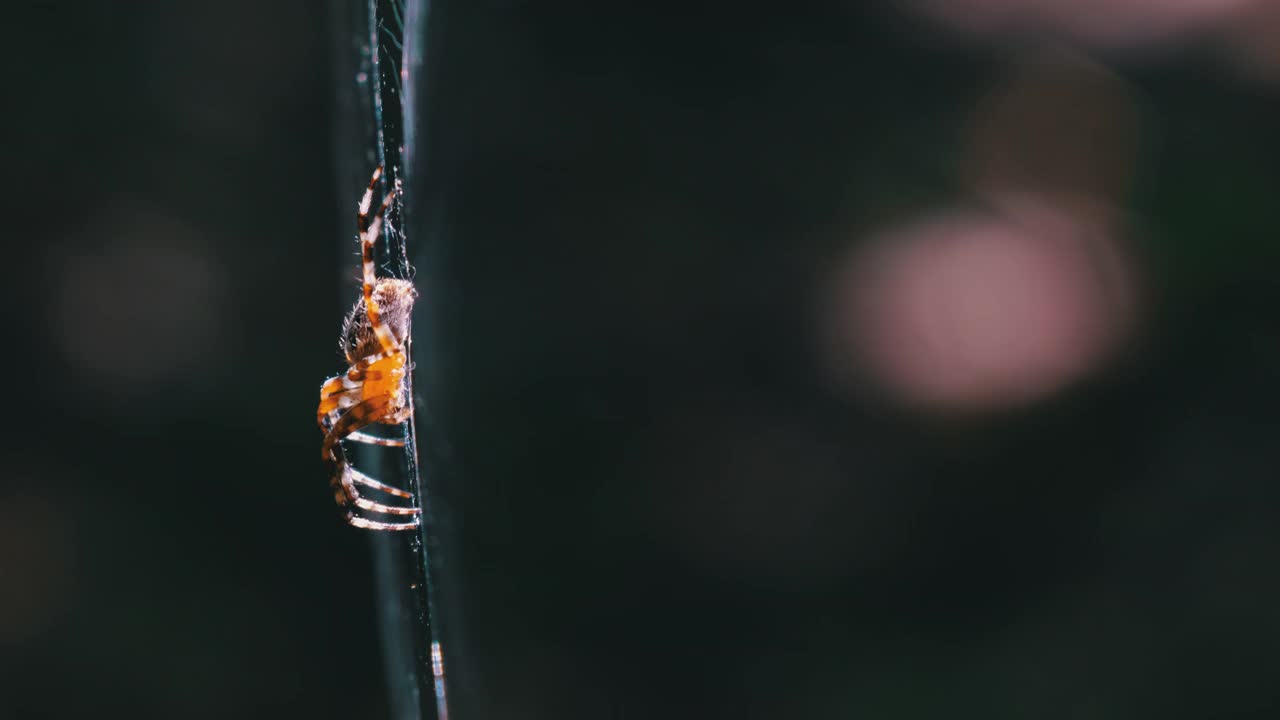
{"type": "Point", "coordinates": [374, 387]}
{"type": "Point", "coordinates": [394, 298]}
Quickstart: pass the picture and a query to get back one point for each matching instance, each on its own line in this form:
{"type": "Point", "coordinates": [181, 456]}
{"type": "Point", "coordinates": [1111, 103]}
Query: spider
{"type": "Point", "coordinates": [373, 389]}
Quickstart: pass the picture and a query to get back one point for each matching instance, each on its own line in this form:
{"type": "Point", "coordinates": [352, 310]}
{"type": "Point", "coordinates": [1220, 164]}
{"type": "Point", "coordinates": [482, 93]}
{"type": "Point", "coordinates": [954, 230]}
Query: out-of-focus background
{"type": "Point", "coordinates": [843, 360]}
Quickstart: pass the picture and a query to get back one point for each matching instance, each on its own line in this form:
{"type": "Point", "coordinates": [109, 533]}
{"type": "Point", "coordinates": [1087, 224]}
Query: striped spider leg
{"type": "Point", "coordinates": [372, 390]}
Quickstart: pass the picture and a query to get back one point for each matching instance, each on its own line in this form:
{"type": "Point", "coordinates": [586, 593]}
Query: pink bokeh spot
{"type": "Point", "coordinates": [973, 310]}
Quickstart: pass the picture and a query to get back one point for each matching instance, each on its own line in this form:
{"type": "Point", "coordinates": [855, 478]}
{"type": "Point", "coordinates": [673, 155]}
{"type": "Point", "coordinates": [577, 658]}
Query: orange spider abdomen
{"type": "Point", "coordinates": [384, 378]}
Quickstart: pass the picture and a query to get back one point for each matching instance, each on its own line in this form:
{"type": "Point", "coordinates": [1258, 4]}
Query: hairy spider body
{"type": "Point", "coordinates": [374, 387]}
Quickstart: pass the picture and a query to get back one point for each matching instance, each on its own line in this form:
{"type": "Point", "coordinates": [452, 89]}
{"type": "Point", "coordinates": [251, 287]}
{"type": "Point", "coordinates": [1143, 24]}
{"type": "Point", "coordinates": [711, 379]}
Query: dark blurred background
{"type": "Point", "coordinates": [837, 360]}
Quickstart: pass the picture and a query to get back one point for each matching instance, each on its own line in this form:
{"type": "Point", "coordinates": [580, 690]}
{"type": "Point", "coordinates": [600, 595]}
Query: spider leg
{"type": "Point", "coordinates": [356, 521]}
{"type": "Point", "coordinates": [370, 227]}
{"type": "Point", "coordinates": [374, 440]}
{"type": "Point", "coordinates": [351, 477]}
{"type": "Point", "coordinates": [357, 416]}
{"type": "Point", "coordinates": [362, 479]}
{"type": "Point", "coordinates": [326, 422]}
{"type": "Point", "coordinates": [343, 477]}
